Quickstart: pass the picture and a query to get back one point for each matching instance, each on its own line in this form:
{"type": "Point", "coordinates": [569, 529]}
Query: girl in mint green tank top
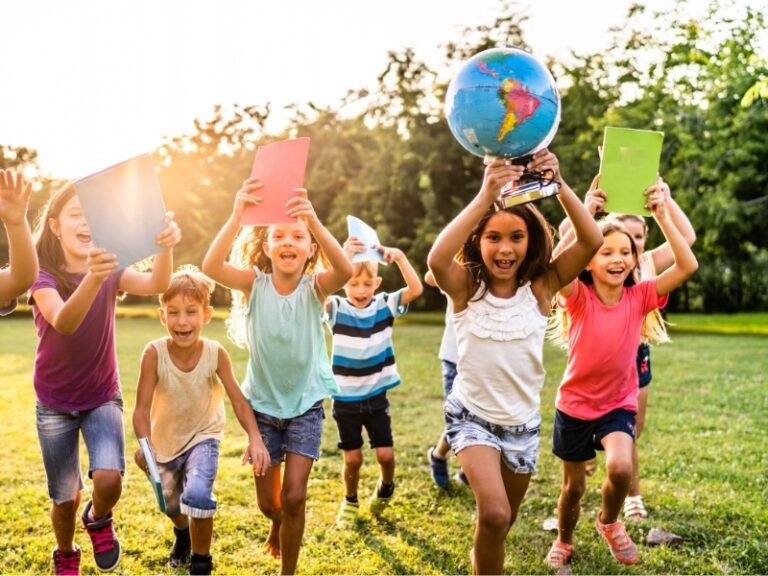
{"type": "Point", "coordinates": [278, 294]}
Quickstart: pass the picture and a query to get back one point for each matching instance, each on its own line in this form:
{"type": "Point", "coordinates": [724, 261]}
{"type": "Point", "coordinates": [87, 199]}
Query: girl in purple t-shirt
{"type": "Point", "coordinates": [597, 399]}
{"type": "Point", "coordinates": [76, 379]}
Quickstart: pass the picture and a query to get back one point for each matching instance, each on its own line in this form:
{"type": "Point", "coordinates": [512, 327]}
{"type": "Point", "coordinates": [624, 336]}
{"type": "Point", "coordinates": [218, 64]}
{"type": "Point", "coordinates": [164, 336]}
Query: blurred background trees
{"type": "Point", "coordinates": [388, 156]}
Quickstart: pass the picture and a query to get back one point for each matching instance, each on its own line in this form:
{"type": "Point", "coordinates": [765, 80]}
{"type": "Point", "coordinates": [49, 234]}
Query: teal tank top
{"type": "Point", "coordinates": [288, 367]}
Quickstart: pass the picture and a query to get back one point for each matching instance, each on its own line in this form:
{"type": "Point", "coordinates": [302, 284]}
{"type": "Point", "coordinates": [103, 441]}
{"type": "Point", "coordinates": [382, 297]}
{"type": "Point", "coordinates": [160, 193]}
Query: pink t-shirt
{"type": "Point", "coordinates": [601, 374]}
{"type": "Point", "coordinates": [79, 371]}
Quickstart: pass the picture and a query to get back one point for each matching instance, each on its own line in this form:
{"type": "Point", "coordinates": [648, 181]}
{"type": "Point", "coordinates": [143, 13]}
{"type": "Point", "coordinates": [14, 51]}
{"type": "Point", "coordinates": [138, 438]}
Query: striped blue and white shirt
{"type": "Point", "coordinates": [363, 357]}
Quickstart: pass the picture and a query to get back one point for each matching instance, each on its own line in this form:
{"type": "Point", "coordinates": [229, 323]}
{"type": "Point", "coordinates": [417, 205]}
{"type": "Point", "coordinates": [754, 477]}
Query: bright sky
{"type": "Point", "coordinates": [88, 83]}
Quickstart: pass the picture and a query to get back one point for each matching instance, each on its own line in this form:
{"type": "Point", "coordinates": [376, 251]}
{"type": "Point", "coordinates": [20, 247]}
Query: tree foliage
{"type": "Point", "coordinates": [388, 157]}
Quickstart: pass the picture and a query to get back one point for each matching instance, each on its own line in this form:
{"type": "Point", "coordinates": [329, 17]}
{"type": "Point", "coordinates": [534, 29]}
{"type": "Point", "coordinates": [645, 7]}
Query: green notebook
{"type": "Point", "coordinates": [629, 164]}
{"type": "Point", "coordinates": [153, 473]}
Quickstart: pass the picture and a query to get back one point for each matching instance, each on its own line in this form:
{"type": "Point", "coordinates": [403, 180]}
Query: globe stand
{"type": "Point", "coordinates": [532, 186]}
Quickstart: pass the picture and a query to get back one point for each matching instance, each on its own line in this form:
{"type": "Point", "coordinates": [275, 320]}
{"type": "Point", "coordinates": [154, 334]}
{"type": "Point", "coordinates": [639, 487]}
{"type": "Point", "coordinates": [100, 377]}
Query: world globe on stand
{"type": "Point", "coordinates": [503, 102]}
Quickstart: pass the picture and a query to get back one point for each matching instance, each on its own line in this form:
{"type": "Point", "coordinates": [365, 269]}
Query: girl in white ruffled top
{"type": "Point", "coordinates": [502, 283]}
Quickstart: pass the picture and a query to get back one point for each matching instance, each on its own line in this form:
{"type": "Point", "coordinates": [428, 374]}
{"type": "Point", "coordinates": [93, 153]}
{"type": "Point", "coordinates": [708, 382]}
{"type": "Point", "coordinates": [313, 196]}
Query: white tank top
{"type": "Point", "coordinates": [500, 369]}
{"type": "Point", "coordinates": [187, 407]}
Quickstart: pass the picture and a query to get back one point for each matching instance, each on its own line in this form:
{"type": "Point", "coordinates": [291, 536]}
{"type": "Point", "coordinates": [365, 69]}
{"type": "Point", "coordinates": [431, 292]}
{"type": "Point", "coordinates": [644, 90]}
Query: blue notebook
{"type": "Point", "coordinates": [153, 473]}
{"type": "Point", "coordinates": [124, 208]}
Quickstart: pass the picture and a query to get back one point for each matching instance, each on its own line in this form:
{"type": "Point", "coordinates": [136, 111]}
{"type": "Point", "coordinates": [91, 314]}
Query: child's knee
{"type": "Point", "coordinates": [107, 480]}
{"type": "Point", "coordinates": [574, 488]}
{"type": "Point", "coordinates": [495, 519]}
{"type": "Point", "coordinates": [619, 470]}
{"type": "Point", "coordinates": [385, 456]}
{"type": "Point", "coordinates": [353, 459]}
{"type": "Point", "coordinates": [294, 499]}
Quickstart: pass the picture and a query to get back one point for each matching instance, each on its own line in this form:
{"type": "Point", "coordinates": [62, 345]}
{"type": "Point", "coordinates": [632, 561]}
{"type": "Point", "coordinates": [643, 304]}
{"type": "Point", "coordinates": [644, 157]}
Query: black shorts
{"type": "Point", "coordinates": [576, 440]}
{"type": "Point", "coordinates": [371, 413]}
{"type": "Point", "coordinates": [644, 365]}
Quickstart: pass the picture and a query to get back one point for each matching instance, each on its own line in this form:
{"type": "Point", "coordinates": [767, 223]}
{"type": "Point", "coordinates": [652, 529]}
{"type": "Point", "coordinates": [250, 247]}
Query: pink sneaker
{"type": "Point", "coordinates": [66, 564]}
{"type": "Point", "coordinates": [621, 545]}
{"type": "Point", "coordinates": [106, 546]}
{"type": "Point", "coordinates": [559, 554]}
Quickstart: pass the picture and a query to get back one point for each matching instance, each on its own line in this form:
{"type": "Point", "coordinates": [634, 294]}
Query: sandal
{"type": "Point", "coordinates": [634, 509]}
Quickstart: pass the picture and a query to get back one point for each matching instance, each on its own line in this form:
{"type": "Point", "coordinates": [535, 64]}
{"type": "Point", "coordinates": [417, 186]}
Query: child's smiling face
{"type": "Point", "coordinates": [361, 288]}
{"type": "Point", "coordinates": [289, 246]}
{"type": "Point", "coordinates": [184, 318]}
{"type": "Point", "coordinates": [72, 231]}
{"type": "Point", "coordinates": [614, 261]}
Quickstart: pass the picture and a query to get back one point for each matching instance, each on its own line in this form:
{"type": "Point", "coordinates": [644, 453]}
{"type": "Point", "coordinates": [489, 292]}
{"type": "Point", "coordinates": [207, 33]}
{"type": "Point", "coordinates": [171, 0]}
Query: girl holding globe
{"type": "Point", "coordinates": [501, 285]}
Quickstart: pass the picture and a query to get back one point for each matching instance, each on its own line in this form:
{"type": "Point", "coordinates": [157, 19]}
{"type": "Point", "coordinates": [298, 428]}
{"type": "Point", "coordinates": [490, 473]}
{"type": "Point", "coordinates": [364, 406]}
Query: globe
{"type": "Point", "coordinates": [503, 102]}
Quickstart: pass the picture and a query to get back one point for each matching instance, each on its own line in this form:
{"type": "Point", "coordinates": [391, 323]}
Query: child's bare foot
{"type": "Point", "coordinates": [272, 543]}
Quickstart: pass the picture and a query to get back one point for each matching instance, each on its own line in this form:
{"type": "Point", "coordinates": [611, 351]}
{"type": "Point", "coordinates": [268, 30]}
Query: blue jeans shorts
{"type": "Point", "coordinates": [449, 375]}
{"type": "Point", "coordinates": [300, 435]}
{"type": "Point", "coordinates": [518, 445]}
{"type": "Point", "coordinates": [371, 414]}
{"type": "Point", "coordinates": [59, 434]}
{"type": "Point", "coordinates": [188, 481]}
{"type": "Point", "coordinates": [576, 440]}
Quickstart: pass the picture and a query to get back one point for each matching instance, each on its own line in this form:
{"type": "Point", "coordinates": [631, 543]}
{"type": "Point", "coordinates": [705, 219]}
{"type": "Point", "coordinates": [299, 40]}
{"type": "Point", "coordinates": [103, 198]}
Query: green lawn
{"type": "Point", "coordinates": [705, 469]}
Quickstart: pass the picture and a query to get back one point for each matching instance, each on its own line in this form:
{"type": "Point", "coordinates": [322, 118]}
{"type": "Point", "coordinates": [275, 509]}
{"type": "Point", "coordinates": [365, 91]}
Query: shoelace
{"type": "Point", "coordinates": [103, 538]}
{"type": "Point", "coordinates": [67, 564]}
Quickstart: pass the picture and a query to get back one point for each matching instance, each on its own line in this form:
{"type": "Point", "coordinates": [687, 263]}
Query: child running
{"type": "Point", "coordinates": [597, 399]}
{"type": "Point", "coordinates": [278, 309]}
{"type": "Point", "coordinates": [180, 410]}
{"type": "Point", "coordinates": [650, 263]}
{"type": "Point", "coordinates": [22, 258]}
{"type": "Point", "coordinates": [437, 455]}
{"type": "Point", "coordinates": [501, 286]}
{"type": "Point", "coordinates": [365, 368]}
{"type": "Point", "coordinates": [76, 378]}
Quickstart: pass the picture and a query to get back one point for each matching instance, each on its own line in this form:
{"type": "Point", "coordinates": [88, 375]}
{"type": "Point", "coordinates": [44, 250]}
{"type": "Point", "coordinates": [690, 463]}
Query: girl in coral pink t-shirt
{"type": "Point", "coordinates": [604, 313]}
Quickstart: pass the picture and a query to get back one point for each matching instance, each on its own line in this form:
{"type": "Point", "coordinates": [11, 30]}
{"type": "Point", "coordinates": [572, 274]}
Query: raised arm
{"type": "Point", "coordinates": [451, 277]}
{"type": "Point", "coordinates": [215, 264]}
{"type": "Point", "coordinates": [256, 453]}
{"type": "Point", "coordinates": [22, 269]}
{"type": "Point", "coordinates": [662, 255]}
{"type": "Point", "coordinates": [157, 281]}
{"type": "Point", "coordinates": [684, 262]}
{"type": "Point", "coordinates": [569, 261]}
{"type": "Point", "coordinates": [333, 279]}
{"type": "Point", "coordinates": [414, 288]}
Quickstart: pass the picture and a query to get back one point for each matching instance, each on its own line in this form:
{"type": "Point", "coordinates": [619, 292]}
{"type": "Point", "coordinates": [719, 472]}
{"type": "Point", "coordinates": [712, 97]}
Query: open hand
{"type": "Point", "coordinates": [245, 197]}
{"type": "Point", "coordinates": [14, 197]}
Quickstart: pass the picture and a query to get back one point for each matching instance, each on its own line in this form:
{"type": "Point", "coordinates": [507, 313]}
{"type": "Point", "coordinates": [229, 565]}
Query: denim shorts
{"type": "Point", "coordinates": [644, 365]}
{"type": "Point", "coordinates": [371, 414]}
{"type": "Point", "coordinates": [300, 435]}
{"type": "Point", "coordinates": [576, 440]}
{"type": "Point", "coordinates": [518, 445]}
{"type": "Point", "coordinates": [188, 481]}
{"type": "Point", "coordinates": [449, 375]}
{"type": "Point", "coordinates": [59, 434]}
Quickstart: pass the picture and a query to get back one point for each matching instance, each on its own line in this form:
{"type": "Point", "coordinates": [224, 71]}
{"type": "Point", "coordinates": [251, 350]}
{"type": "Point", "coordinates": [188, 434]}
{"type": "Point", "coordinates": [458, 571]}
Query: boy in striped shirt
{"type": "Point", "coordinates": [364, 366]}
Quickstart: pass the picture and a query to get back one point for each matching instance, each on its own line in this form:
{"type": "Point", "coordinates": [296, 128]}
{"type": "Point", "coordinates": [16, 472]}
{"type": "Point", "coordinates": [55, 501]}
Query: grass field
{"type": "Point", "coordinates": [704, 456]}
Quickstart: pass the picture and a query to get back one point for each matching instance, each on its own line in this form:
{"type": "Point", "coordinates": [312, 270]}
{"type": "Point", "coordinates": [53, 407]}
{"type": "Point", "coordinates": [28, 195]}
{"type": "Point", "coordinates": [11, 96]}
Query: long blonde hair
{"type": "Point", "coordinates": [247, 253]}
{"type": "Point", "coordinates": [653, 329]}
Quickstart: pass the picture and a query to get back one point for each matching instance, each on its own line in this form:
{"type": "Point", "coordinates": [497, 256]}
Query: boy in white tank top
{"type": "Point", "coordinates": [180, 410]}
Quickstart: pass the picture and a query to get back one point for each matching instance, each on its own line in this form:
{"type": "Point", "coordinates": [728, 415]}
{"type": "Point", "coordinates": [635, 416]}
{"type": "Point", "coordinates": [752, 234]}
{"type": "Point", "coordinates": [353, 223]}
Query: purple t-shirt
{"type": "Point", "coordinates": [79, 371]}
